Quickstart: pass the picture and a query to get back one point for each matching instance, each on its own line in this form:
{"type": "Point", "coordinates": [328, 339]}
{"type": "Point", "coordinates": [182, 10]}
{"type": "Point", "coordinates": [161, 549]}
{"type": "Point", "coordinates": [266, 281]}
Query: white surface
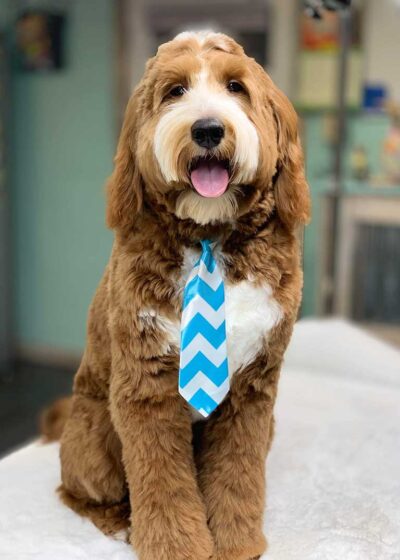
{"type": "Point", "coordinates": [333, 473]}
{"type": "Point", "coordinates": [338, 348]}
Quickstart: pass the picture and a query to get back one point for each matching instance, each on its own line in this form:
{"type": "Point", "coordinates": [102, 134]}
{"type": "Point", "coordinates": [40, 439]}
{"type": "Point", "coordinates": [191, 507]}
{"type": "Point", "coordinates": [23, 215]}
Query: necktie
{"type": "Point", "coordinates": [203, 371]}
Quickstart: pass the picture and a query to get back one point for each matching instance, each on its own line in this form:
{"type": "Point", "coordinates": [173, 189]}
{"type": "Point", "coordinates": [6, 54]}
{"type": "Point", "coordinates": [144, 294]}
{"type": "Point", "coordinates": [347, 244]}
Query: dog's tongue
{"type": "Point", "coordinates": [210, 178]}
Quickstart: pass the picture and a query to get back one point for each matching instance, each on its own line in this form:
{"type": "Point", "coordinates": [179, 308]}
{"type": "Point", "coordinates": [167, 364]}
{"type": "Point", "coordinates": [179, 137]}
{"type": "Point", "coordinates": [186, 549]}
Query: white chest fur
{"type": "Point", "coordinates": [251, 312]}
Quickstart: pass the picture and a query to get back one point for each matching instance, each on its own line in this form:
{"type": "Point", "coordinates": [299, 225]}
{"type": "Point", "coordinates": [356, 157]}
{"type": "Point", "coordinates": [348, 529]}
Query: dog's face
{"type": "Point", "coordinates": [206, 135]}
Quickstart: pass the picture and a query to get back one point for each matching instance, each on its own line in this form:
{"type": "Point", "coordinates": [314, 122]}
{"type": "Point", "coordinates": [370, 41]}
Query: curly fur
{"type": "Point", "coordinates": [196, 491]}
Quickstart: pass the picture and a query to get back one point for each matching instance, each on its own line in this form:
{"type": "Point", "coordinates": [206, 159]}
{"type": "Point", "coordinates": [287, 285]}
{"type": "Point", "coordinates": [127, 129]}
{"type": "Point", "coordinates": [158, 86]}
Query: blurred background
{"type": "Point", "coordinates": [67, 68]}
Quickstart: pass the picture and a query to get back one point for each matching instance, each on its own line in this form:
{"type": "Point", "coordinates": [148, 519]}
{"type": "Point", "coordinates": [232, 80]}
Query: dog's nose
{"type": "Point", "coordinates": [208, 133]}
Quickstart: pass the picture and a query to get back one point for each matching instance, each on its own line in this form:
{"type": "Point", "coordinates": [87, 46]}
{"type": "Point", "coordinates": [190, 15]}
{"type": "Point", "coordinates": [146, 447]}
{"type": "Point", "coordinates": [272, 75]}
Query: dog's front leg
{"type": "Point", "coordinates": [168, 514]}
{"type": "Point", "coordinates": [231, 467]}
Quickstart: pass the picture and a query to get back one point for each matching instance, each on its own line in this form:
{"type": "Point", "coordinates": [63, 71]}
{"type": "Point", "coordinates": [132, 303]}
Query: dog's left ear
{"type": "Point", "coordinates": [124, 188]}
{"type": "Point", "coordinates": [292, 195]}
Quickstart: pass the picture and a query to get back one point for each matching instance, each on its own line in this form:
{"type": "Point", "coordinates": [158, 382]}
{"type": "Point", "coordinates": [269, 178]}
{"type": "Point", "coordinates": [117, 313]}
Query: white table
{"type": "Point", "coordinates": [333, 473]}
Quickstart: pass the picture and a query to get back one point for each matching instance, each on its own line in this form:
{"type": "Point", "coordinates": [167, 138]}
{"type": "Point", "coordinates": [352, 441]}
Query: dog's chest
{"type": "Point", "coordinates": [250, 313]}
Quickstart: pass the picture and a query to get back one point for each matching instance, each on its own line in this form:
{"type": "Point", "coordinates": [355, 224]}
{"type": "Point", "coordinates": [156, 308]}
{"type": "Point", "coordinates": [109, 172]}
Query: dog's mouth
{"type": "Point", "coordinates": [209, 176]}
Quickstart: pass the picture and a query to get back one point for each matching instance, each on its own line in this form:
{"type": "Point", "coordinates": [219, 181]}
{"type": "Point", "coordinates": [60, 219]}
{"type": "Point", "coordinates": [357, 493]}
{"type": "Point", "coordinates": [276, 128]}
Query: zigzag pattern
{"type": "Point", "coordinates": [198, 324]}
{"type": "Point", "coordinates": [203, 373]}
{"type": "Point", "coordinates": [199, 287]}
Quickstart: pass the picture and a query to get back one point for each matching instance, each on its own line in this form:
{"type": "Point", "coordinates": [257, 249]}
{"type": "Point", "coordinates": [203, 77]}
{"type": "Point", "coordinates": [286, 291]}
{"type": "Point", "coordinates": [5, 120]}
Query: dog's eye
{"type": "Point", "coordinates": [177, 91]}
{"type": "Point", "coordinates": [235, 87]}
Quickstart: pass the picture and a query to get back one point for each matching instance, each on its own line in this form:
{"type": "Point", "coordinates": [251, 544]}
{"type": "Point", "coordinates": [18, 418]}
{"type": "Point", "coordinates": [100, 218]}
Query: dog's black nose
{"type": "Point", "coordinates": [208, 133]}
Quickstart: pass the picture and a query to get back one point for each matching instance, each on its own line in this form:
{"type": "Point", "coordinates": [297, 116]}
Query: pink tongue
{"type": "Point", "coordinates": [210, 178]}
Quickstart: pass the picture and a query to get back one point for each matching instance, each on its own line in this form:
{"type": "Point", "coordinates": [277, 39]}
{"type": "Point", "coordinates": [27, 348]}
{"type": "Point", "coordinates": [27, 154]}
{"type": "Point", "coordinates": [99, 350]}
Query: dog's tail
{"type": "Point", "coordinates": [53, 419]}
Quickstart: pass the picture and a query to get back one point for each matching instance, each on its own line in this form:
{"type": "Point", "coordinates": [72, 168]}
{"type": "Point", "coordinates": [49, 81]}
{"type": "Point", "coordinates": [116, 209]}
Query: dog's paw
{"type": "Point", "coordinates": [193, 546]}
{"type": "Point", "coordinates": [122, 535]}
{"type": "Point", "coordinates": [249, 551]}
{"type": "Point", "coordinates": [165, 551]}
{"type": "Point", "coordinates": [232, 555]}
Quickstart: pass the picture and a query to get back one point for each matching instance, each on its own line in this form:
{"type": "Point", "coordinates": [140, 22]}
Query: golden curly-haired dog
{"type": "Point", "coordinates": [209, 149]}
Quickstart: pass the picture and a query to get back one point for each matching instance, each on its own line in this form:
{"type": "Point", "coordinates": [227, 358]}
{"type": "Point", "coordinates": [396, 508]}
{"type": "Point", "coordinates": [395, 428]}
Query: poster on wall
{"type": "Point", "coordinates": [39, 40]}
{"type": "Point", "coordinates": [319, 55]}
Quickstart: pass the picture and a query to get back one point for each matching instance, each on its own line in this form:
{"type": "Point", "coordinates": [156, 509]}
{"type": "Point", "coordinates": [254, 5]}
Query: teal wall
{"type": "Point", "coordinates": [63, 138]}
{"type": "Point", "coordinates": [318, 162]}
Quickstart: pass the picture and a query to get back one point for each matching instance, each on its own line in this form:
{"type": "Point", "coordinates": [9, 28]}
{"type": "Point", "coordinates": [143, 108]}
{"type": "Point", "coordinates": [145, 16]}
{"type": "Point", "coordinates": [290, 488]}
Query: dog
{"type": "Point", "coordinates": [209, 149]}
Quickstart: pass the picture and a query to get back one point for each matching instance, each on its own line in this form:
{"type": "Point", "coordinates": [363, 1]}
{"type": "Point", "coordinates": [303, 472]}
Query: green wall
{"type": "Point", "coordinates": [63, 137]}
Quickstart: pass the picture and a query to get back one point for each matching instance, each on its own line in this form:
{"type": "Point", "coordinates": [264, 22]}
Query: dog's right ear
{"type": "Point", "coordinates": [292, 194]}
{"type": "Point", "coordinates": [124, 188]}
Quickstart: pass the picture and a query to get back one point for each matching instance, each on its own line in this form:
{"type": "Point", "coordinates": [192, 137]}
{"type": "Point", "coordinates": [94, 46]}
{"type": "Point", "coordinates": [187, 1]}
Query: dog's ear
{"type": "Point", "coordinates": [292, 194]}
{"type": "Point", "coordinates": [124, 188]}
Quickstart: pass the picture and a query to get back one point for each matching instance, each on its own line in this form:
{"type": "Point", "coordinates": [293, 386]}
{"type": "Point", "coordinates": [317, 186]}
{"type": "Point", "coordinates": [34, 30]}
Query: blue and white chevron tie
{"type": "Point", "coordinates": [203, 372]}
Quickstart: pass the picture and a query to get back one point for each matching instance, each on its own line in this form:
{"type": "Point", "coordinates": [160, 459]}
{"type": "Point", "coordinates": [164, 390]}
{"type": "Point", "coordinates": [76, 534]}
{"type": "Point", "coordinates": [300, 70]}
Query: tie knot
{"type": "Point", "coordinates": [206, 246]}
